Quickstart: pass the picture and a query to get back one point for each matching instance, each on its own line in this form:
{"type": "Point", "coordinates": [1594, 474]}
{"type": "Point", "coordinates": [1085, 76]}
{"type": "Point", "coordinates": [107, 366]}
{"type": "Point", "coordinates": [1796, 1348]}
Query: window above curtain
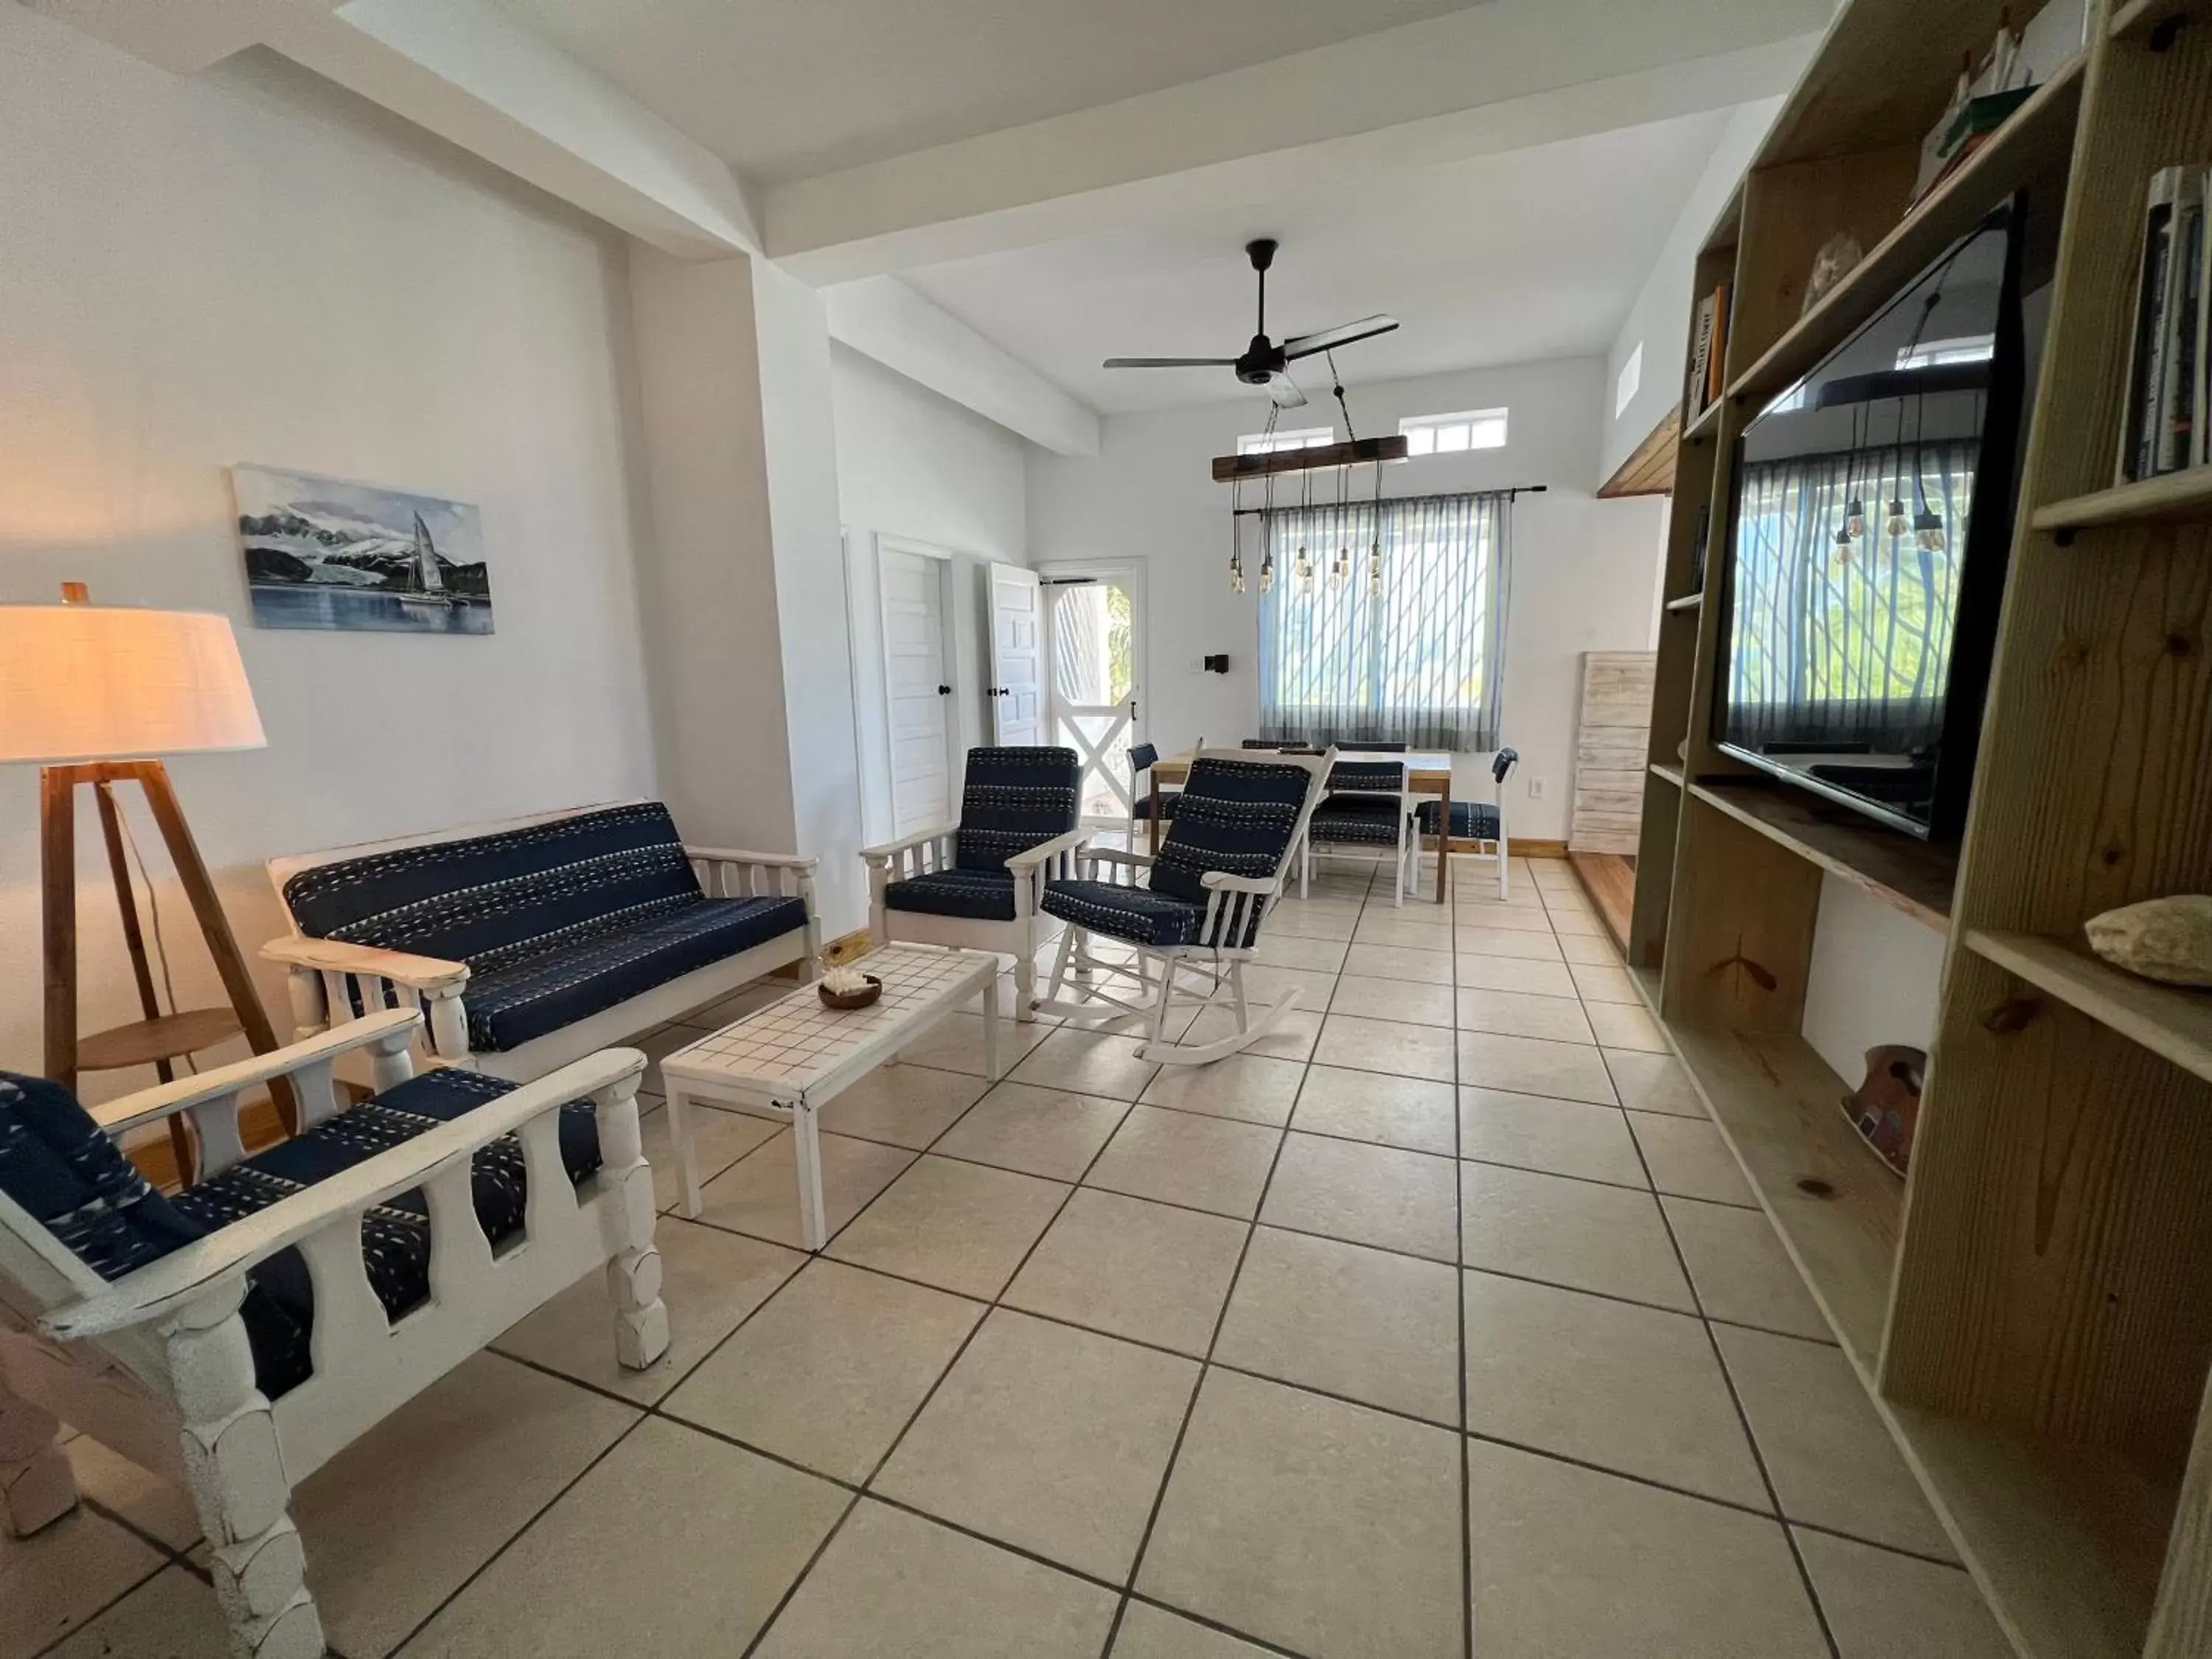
{"type": "Point", "coordinates": [1422, 662]}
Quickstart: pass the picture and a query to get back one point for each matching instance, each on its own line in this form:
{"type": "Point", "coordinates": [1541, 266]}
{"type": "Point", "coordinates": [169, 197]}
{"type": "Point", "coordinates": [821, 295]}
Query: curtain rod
{"type": "Point", "coordinates": [1510, 492]}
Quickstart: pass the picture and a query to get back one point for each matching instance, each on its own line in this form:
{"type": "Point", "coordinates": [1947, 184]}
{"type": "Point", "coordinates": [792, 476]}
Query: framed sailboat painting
{"type": "Point", "coordinates": [328, 553]}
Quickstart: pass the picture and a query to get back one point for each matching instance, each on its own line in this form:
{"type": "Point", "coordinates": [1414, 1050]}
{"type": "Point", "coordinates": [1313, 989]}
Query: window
{"type": "Point", "coordinates": [1630, 383]}
{"type": "Point", "coordinates": [1449, 434]}
{"type": "Point", "coordinates": [1418, 662]}
{"type": "Point", "coordinates": [1272, 443]}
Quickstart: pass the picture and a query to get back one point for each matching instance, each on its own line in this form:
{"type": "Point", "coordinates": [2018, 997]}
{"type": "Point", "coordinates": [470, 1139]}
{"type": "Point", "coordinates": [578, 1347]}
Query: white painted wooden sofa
{"type": "Point", "coordinates": [537, 940]}
{"type": "Point", "coordinates": [236, 1359]}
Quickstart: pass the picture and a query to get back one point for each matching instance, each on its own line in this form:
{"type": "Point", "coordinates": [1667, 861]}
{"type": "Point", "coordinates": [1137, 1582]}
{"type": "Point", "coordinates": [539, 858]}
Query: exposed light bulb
{"type": "Point", "coordinates": [1375, 570]}
{"type": "Point", "coordinates": [1928, 531]}
{"type": "Point", "coordinates": [1340, 572]}
{"type": "Point", "coordinates": [1268, 571]}
{"type": "Point", "coordinates": [1304, 568]}
{"type": "Point", "coordinates": [1896, 523]}
{"type": "Point", "coordinates": [1855, 518]}
{"type": "Point", "coordinates": [1237, 572]}
{"type": "Point", "coordinates": [1843, 549]}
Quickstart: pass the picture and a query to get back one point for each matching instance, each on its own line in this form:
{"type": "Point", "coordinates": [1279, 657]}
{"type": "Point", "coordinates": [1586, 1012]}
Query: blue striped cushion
{"type": "Point", "coordinates": [977, 895]}
{"type": "Point", "coordinates": [68, 1176]}
{"type": "Point", "coordinates": [1368, 774]}
{"type": "Point", "coordinates": [1135, 913]}
{"type": "Point", "coordinates": [1233, 816]}
{"type": "Point", "coordinates": [1343, 819]}
{"type": "Point", "coordinates": [1011, 799]}
{"type": "Point", "coordinates": [1471, 820]}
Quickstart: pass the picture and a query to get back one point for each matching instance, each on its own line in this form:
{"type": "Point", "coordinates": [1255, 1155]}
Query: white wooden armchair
{"type": "Point", "coordinates": [156, 1352]}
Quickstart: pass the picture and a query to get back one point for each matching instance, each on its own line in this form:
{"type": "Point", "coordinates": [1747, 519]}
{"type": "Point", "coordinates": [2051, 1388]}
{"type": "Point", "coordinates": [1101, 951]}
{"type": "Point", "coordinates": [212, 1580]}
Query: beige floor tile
{"type": "Point", "coordinates": [1588, 947]}
{"type": "Point", "coordinates": [1049, 1438]}
{"type": "Point", "coordinates": [1003, 987]}
{"type": "Point", "coordinates": [1598, 982]}
{"type": "Point", "coordinates": [1742, 1272]}
{"type": "Point", "coordinates": [1568, 1561]}
{"type": "Point", "coordinates": [673, 1532]}
{"type": "Point", "coordinates": [829, 1372]}
{"type": "Point", "coordinates": [1133, 1268]}
{"type": "Point", "coordinates": [172, 1616]}
{"type": "Point", "coordinates": [1890, 1607]}
{"type": "Point", "coordinates": [719, 1139]}
{"type": "Point", "coordinates": [1251, 1088]}
{"type": "Point", "coordinates": [958, 1226]}
{"type": "Point", "coordinates": [739, 1003]}
{"type": "Point", "coordinates": [1653, 1082]}
{"type": "Point", "coordinates": [1688, 1159]}
{"type": "Point", "coordinates": [1325, 1527]}
{"type": "Point", "coordinates": [146, 1501]}
{"type": "Point", "coordinates": [1512, 918]}
{"type": "Point", "coordinates": [1151, 1632]}
{"type": "Point", "coordinates": [1576, 1233]}
{"type": "Point", "coordinates": [1559, 1136]}
{"type": "Point", "coordinates": [1479, 886]}
{"type": "Point", "coordinates": [1180, 1158]}
{"type": "Point", "coordinates": [1379, 1195]}
{"type": "Point", "coordinates": [760, 1195]}
{"type": "Point", "coordinates": [1373, 1325]}
{"type": "Point", "coordinates": [1291, 1037]}
{"type": "Point", "coordinates": [1381, 924]}
{"type": "Point", "coordinates": [1568, 922]}
{"type": "Point", "coordinates": [1623, 1025]}
{"type": "Point", "coordinates": [1524, 1013]}
{"type": "Point", "coordinates": [905, 1106]}
{"type": "Point", "coordinates": [1268, 986]}
{"type": "Point", "coordinates": [1832, 1463]}
{"type": "Point", "coordinates": [396, 1521]}
{"type": "Point", "coordinates": [1280, 950]}
{"type": "Point", "coordinates": [1095, 1063]}
{"type": "Point", "coordinates": [1393, 998]}
{"type": "Point", "coordinates": [1505, 942]}
{"type": "Point", "coordinates": [1386, 1046]}
{"type": "Point", "coordinates": [1631, 1388]}
{"type": "Point", "coordinates": [892, 1582]}
{"type": "Point", "coordinates": [1333, 923]}
{"type": "Point", "coordinates": [954, 1043]}
{"type": "Point", "coordinates": [1412, 1112]}
{"type": "Point", "coordinates": [1542, 979]}
{"type": "Point", "coordinates": [1395, 962]}
{"type": "Point", "coordinates": [712, 1279]}
{"type": "Point", "coordinates": [1040, 1131]}
{"type": "Point", "coordinates": [1533, 1065]}
{"type": "Point", "coordinates": [55, 1580]}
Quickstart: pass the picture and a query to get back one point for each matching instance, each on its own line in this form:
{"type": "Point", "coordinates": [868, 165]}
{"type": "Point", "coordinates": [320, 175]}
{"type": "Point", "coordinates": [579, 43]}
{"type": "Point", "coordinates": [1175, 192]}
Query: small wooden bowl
{"type": "Point", "coordinates": [851, 999]}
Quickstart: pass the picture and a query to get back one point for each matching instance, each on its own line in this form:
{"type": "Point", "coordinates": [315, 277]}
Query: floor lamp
{"type": "Point", "coordinates": [94, 694]}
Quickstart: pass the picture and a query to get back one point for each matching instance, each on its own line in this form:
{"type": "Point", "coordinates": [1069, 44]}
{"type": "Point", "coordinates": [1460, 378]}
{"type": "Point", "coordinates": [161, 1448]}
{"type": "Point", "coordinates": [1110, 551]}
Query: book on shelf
{"type": "Point", "coordinates": [1717, 360]}
{"type": "Point", "coordinates": [1709, 353]}
{"type": "Point", "coordinates": [2162, 429]}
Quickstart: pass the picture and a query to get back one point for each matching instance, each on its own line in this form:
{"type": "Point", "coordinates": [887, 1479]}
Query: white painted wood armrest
{"type": "Point", "coordinates": [890, 850]}
{"type": "Point", "coordinates": [165, 1286]}
{"type": "Point", "coordinates": [337, 957]}
{"type": "Point", "coordinates": [1030, 857]}
{"type": "Point", "coordinates": [1114, 855]}
{"type": "Point", "coordinates": [738, 855]}
{"type": "Point", "coordinates": [1221, 881]}
{"type": "Point", "coordinates": [394, 1028]}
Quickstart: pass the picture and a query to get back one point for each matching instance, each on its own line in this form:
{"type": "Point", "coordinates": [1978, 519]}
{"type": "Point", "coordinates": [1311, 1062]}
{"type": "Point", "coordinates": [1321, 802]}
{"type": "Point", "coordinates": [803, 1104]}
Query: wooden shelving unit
{"type": "Point", "coordinates": [2032, 1312]}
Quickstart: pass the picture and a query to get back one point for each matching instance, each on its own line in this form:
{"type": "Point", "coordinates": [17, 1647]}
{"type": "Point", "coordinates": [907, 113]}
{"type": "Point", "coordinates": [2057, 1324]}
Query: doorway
{"type": "Point", "coordinates": [1094, 632]}
{"type": "Point", "coordinates": [922, 733]}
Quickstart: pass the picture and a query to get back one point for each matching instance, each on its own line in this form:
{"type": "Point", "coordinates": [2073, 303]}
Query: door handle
{"type": "Point", "coordinates": [944, 691]}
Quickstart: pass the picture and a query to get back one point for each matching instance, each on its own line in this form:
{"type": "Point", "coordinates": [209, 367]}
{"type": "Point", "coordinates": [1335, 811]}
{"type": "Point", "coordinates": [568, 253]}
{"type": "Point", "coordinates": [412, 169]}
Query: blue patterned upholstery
{"type": "Point", "coordinates": [976, 894]}
{"type": "Point", "coordinates": [1142, 758]}
{"type": "Point", "coordinates": [1470, 820]}
{"type": "Point", "coordinates": [1366, 820]}
{"type": "Point", "coordinates": [1233, 816]}
{"type": "Point", "coordinates": [56, 1162]}
{"type": "Point", "coordinates": [556, 920]}
{"type": "Point", "coordinates": [1011, 799]}
{"type": "Point", "coordinates": [1368, 774]}
{"type": "Point", "coordinates": [1135, 914]}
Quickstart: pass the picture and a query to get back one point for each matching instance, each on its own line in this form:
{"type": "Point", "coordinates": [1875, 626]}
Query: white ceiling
{"type": "Point", "coordinates": [1516, 258]}
{"type": "Point", "coordinates": [787, 89]}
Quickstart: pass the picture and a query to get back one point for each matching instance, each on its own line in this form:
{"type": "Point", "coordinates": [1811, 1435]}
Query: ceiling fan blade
{"type": "Point", "coordinates": [1329, 339]}
{"type": "Point", "coordinates": [1171, 362]}
{"type": "Point", "coordinates": [1285, 391]}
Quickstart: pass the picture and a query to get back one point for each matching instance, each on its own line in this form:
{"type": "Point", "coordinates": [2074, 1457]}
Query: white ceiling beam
{"type": "Point", "coordinates": [884, 319]}
{"type": "Point", "coordinates": [1481, 81]}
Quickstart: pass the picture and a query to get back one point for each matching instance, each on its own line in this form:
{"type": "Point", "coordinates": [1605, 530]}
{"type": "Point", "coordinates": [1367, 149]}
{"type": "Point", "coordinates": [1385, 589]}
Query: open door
{"type": "Point", "coordinates": [1093, 632]}
{"type": "Point", "coordinates": [1016, 688]}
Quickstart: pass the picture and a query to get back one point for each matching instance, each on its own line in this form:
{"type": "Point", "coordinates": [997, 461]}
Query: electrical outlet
{"type": "Point", "coordinates": [1535, 789]}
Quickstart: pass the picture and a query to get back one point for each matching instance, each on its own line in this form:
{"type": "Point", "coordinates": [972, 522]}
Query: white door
{"type": "Point", "coordinates": [917, 690]}
{"type": "Point", "coordinates": [1093, 636]}
{"type": "Point", "coordinates": [1017, 664]}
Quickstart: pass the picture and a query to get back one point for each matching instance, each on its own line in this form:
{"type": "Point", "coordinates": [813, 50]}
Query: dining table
{"type": "Point", "coordinates": [1427, 773]}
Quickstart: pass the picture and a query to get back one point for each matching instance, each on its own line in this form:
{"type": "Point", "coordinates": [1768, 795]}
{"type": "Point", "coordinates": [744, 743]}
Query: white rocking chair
{"type": "Point", "coordinates": [1195, 921]}
{"type": "Point", "coordinates": [152, 1351]}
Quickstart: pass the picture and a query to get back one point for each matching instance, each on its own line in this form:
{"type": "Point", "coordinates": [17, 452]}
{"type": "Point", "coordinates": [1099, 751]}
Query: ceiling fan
{"type": "Point", "coordinates": [1265, 362]}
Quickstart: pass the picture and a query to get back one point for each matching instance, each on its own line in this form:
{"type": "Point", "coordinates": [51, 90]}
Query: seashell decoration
{"type": "Point", "coordinates": [2168, 939]}
{"type": "Point", "coordinates": [844, 981]}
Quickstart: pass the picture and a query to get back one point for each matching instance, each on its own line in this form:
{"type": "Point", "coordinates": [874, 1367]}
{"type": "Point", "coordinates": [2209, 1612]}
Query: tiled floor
{"type": "Point", "coordinates": [1439, 1324]}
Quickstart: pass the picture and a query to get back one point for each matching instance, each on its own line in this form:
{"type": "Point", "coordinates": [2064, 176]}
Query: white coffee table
{"type": "Point", "coordinates": [792, 1057]}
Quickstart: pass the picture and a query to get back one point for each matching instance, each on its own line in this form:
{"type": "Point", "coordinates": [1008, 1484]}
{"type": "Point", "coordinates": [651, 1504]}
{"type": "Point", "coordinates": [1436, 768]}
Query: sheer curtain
{"type": "Point", "coordinates": [1420, 663]}
{"type": "Point", "coordinates": [1858, 648]}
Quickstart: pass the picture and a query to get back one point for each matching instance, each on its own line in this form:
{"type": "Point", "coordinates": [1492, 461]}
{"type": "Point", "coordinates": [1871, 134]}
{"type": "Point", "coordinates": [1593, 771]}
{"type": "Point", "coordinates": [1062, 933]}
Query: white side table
{"type": "Point", "coordinates": [794, 1056]}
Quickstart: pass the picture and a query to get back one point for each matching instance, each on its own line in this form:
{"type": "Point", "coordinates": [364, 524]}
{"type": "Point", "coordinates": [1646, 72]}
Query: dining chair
{"type": "Point", "coordinates": [1368, 805]}
{"type": "Point", "coordinates": [1477, 821]}
{"type": "Point", "coordinates": [1142, 758]}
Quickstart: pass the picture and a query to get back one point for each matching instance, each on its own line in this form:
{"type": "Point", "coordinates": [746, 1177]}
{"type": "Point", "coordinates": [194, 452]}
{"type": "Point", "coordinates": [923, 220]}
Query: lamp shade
{"type": "Point", "coordinates": [83, 682]}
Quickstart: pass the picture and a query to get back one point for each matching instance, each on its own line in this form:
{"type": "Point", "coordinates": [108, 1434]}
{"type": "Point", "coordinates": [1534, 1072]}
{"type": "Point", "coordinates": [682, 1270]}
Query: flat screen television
{"type": "Point", "coordinates": [1871, 522]}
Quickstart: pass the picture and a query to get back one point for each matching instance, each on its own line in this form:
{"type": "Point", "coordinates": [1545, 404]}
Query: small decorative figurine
{"type": "Point", "coordinates": [1886, 1108]}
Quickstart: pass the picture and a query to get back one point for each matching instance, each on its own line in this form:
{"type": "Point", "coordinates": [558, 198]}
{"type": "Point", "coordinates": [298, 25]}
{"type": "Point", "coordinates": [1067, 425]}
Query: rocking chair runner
{"type": "Point", "coordinates": [1206, 896]}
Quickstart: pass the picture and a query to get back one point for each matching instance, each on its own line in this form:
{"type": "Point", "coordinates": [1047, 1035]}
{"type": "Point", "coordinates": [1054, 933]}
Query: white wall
{"type": "Point", "coordinates": [247, 265]}
{"type": "Point", "coordinates": [916, 466]}
{"type": "Point", "coordinates": [1875, 978]}
{"type": "Point", "coordinates": [1582, 575]}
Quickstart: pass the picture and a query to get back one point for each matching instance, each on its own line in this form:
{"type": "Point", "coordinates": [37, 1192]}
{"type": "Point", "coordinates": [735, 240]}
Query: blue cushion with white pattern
{"type": "Point", "coordinates": [55, 1162]}
{"type": "Point", "coordinates": [1135, 914]}
{"type": "Point", "coordinates": [974, 895]}
{"type": "Point", "coordinates": [1471, 820]}
{"type": "Point", "coordinates": [1370, 820]}
{"type": "Point", "coordinates": [1011, 799]}
{"type": "Point", "coordinates": [1235, 816]}
{"type": "Point", "coordinates": [1368, 774]}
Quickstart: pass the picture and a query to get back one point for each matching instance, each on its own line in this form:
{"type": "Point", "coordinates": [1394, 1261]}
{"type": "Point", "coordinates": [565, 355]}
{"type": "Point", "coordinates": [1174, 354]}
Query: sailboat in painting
{"type": "Point", "coordinates": [428, 572]}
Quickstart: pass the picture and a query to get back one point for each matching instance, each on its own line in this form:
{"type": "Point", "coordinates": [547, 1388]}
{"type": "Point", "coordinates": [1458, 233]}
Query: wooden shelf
{"type": "Point", "coordinates": [2166, 1019]}
{"type": "Point", "coordinates": [2039, 138]}
{"type": "Point", "coordinates": [2173, 498]}
{"type": "Point", "coordinates": [1916, 876]}
{"type": "Point", "coordinates": [1687, 602]}
{"type": "Point", "coordinates": [145, 1040]}
{"type": "Point", "coordinates": [1667, 774]}
{"type": "Point", "coordinates": [2138, 19]}
{"type": "Point", "coordinates": [1701, 427]}
{"type": "Point", "coordinates": [1781, 1108]}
